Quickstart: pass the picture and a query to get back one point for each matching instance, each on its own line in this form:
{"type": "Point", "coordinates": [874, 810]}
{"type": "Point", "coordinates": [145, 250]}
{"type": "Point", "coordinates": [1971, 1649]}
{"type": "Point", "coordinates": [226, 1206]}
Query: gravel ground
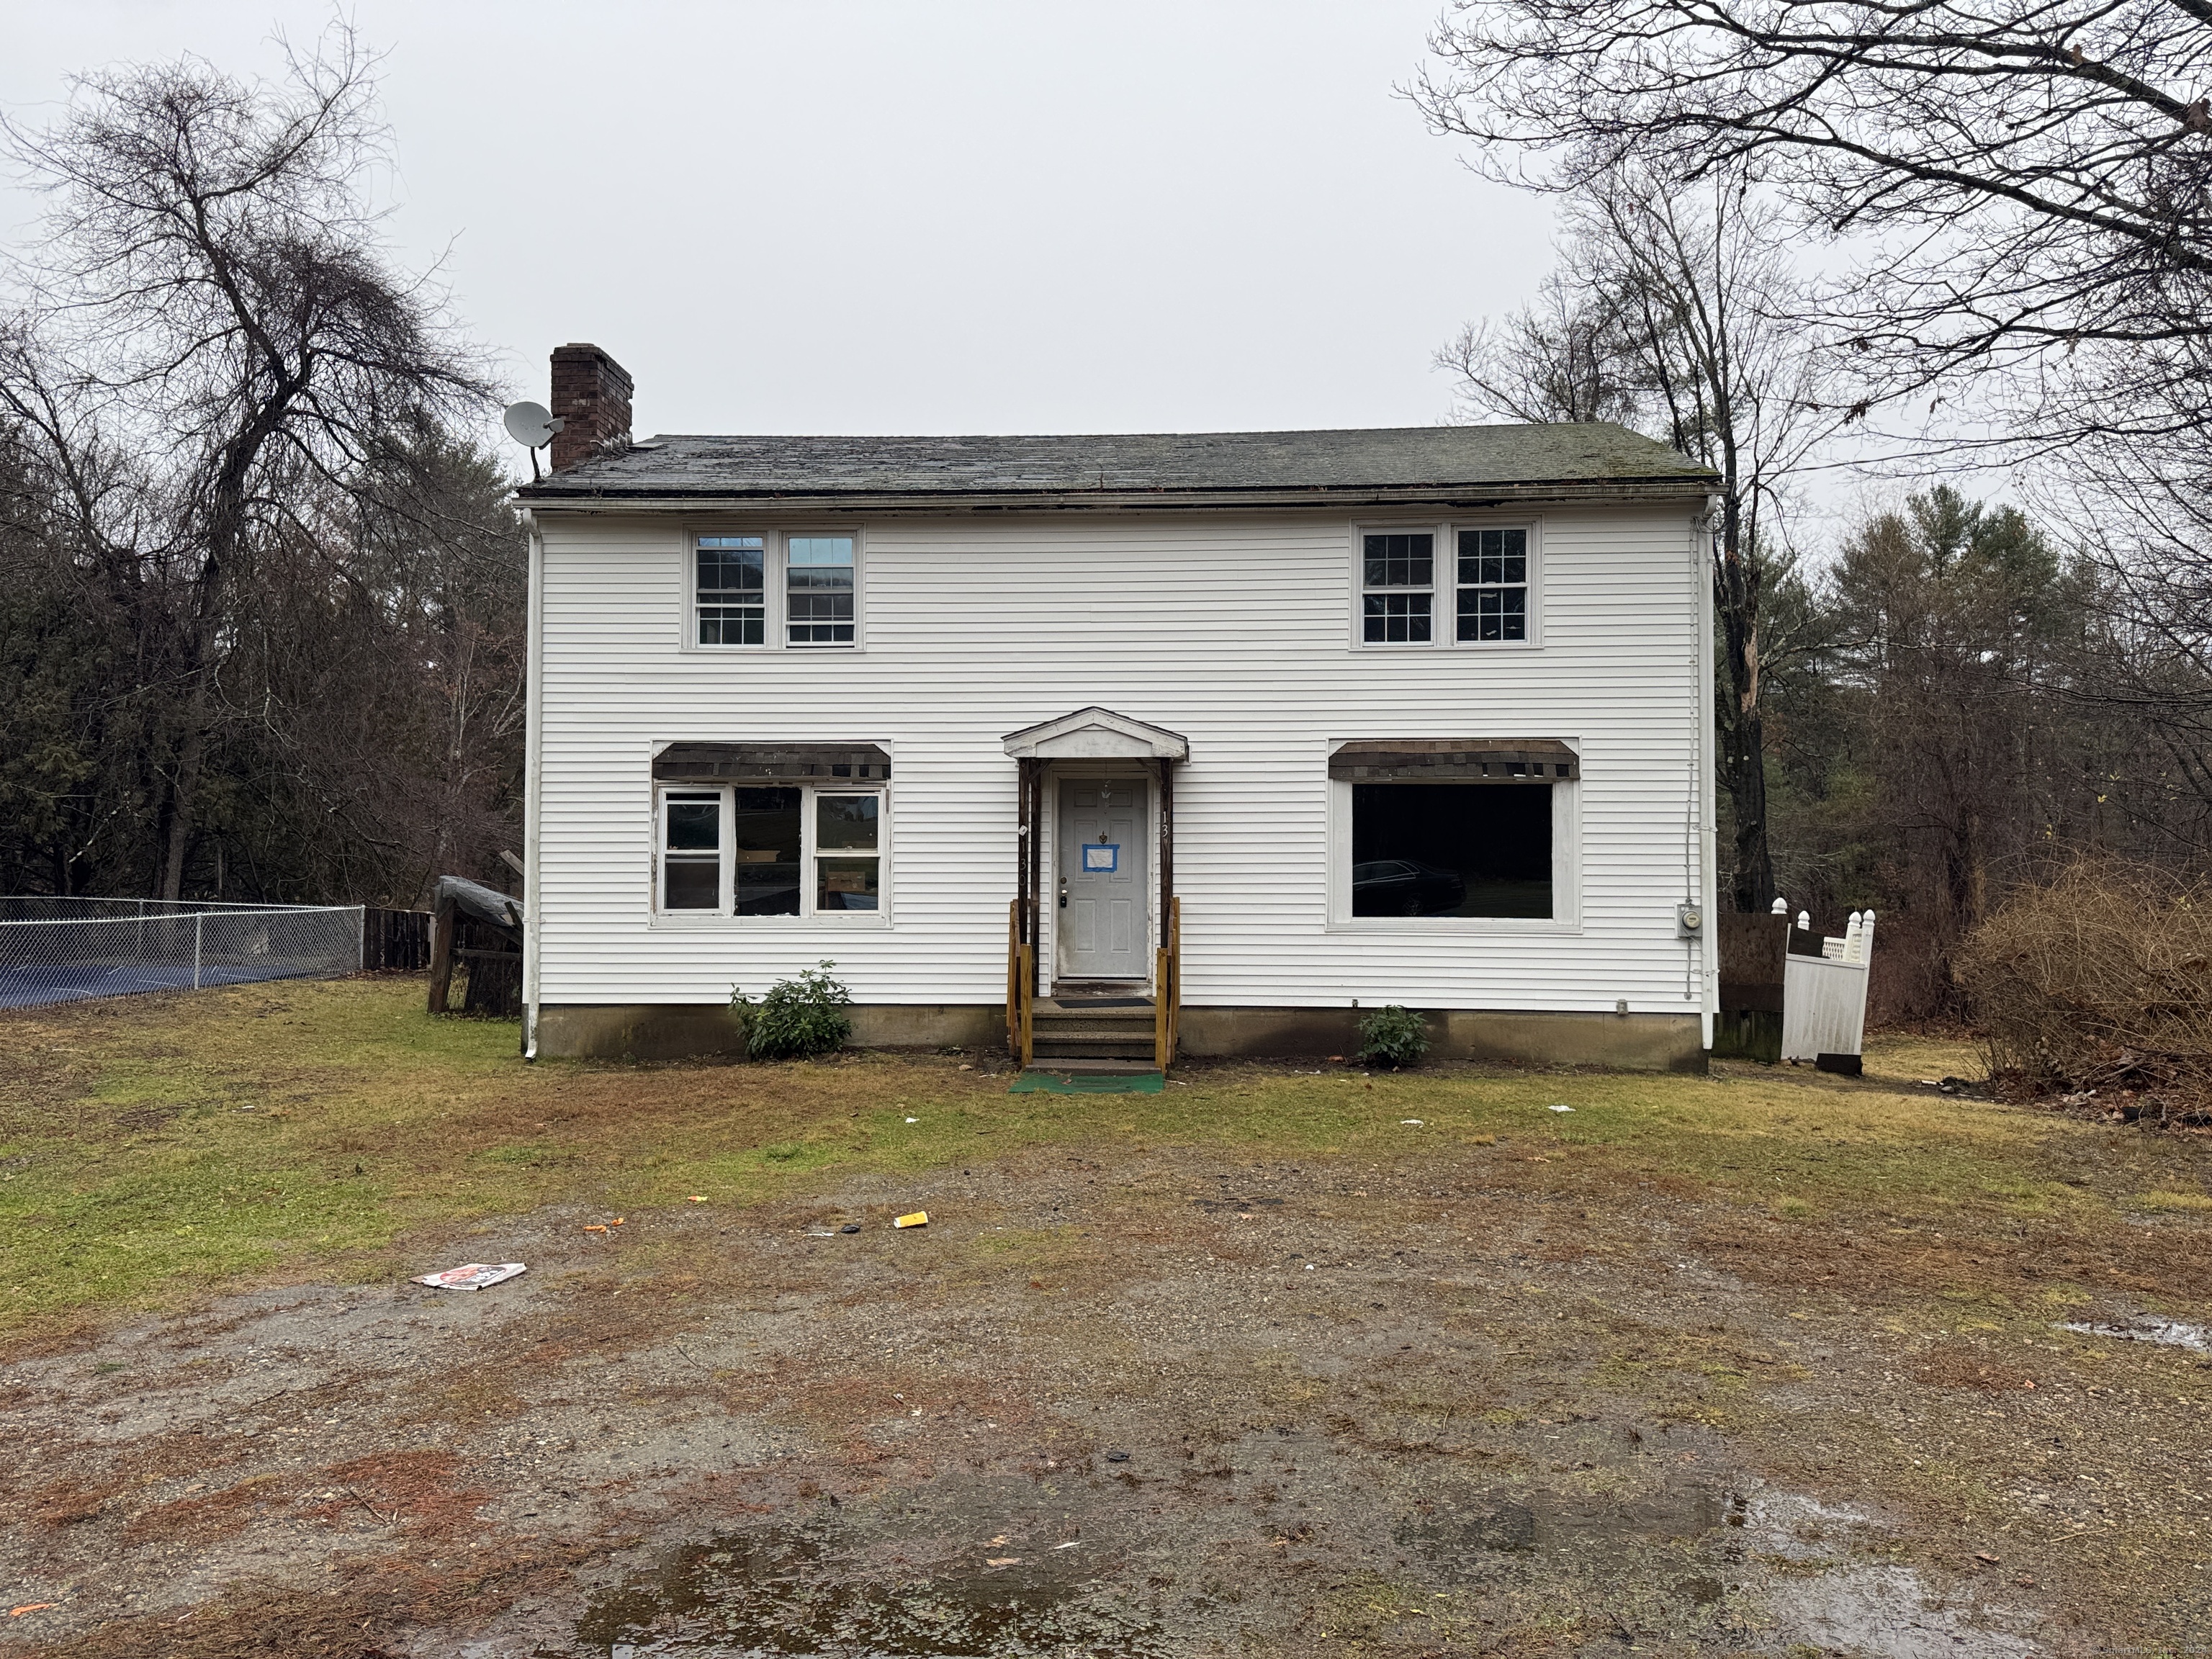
{"type": "Point", "coordinates": [1149, 1402]}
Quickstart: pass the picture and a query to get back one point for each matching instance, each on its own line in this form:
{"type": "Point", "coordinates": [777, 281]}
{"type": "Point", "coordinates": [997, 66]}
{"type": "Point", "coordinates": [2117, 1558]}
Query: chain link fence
{"type": "Point", "coordinates": [57, 950]}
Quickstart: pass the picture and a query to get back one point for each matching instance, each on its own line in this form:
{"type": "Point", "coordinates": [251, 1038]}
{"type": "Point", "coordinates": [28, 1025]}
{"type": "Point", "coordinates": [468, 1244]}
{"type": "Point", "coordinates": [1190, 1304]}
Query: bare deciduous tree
{"type": "Point", "coordinates": [2031, 182]}
{"type": "Point", "coordinates": [214, 333]}
{"type": "Point", "coordinates": [1672, 311]}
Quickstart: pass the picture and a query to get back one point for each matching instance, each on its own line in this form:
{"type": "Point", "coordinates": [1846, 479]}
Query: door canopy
{"type": "Point", "coordinates": [1096, 734]}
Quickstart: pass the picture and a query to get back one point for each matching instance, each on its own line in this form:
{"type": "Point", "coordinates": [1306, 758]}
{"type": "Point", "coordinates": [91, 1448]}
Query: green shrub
{"type": "Point", "coordinates": [796, 1018]}
{"type": "Point", "coordinates": [1392, 1037]}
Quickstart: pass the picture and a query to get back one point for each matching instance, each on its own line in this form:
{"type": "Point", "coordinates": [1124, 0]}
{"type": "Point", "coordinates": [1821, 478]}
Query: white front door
{"type": "Point", "coordinates": [1102, 916]}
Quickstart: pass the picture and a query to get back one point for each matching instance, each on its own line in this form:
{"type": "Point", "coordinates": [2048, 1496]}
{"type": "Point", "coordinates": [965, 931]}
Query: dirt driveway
{"type": "Point", "coordinates": [1501, 1392]}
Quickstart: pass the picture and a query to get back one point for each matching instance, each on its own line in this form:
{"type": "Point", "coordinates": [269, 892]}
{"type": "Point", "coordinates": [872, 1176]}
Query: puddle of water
{"type": "Point", "coordinates": [818, 1588]}
{"type": "Point", "coordinates": [1887, 1610]}
{"type": "Point", "coordinates": [1853, 1608]}
{"type": "Point", "coordinates": [2169, 1332]}
{"type": "Point", "coordinates": [1539, 1521]}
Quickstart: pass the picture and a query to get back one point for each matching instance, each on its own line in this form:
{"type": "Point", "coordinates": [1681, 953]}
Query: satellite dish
{"type": "Point", "coordinates": [530, 425]}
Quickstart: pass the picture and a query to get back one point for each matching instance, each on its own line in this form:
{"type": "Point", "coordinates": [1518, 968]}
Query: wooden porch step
{"type": "Point", "coordinates": [1097, 1067]}
{"type": "Point", "coordinates": [1089, 1045]}
{"type": "Point", "coordinates": [1105, 1019]}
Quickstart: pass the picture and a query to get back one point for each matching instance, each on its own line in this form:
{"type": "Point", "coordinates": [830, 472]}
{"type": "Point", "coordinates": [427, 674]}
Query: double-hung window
{"type": "Point", "coordinates": [775, 589]}
{"type": "Point", "coordinates": [846, 855]}
{"type": "Point", "coordinates": [1451, 585]}
{"type": "Point", "coordinates": [732, 589]}
{"type": "Point", "coordinates": [783, 850]}
{"type": "Point", "coordinates": [691, 849]}
{"type": "Point", "coordinates": [1398, 570]}
{"type": "Point", "coordinates": [1493, 584]}
{"type": "Point", "coordinates": [819, 572]}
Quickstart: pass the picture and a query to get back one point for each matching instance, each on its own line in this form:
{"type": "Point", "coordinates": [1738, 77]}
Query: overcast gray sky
{"type": "Point", "coordinates": [853, 215]}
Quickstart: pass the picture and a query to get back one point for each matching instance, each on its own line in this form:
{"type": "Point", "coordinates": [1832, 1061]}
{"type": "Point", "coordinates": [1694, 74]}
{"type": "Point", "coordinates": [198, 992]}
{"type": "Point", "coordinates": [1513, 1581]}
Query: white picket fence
{"type": "Point", "coordinates": [1824, 998]}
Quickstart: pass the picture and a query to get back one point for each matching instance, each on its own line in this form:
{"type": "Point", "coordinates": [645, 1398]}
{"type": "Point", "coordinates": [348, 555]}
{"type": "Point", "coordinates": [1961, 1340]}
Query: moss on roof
{"type": "Point", "coordinates": [1261, 465]}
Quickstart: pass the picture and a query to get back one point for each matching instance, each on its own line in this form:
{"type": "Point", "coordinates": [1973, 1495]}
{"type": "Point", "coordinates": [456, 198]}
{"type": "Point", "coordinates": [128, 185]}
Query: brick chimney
{"type": "Point", "coordinates": [590, 397]}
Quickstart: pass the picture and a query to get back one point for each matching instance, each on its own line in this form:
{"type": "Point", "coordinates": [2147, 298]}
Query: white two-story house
{"type": "Point", "coordinates": [1104, 746]}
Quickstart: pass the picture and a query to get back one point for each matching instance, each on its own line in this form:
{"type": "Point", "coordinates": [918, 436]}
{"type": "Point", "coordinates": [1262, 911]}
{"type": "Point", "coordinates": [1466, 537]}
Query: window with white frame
{"type": "Point", "coordinates": [1477, 594]}
{"type": "Point", "coordinates": [732, 573]}
{"type": "Point", "coordinates": [1398, 584]}
{"type": "Point", "coordinates": [691, 856]}
{"type": "Point", "coordinates": [775, 589]}
{"type": "Point", "coordinates": [786, 850]}
{"type": "Point", "coordinates": [818, 575]}
{"type": "Point", "coordinates": [1493, 584]}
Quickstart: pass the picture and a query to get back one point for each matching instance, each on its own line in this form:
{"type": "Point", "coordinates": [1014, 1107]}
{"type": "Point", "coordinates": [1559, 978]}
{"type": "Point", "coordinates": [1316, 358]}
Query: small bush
{"type": "Point", "coordinates": [2100, 979]}
{"type": "Point", "coordinates": [1392, 1037]}
{"type": "Point", "coordinates": [796, 1018]}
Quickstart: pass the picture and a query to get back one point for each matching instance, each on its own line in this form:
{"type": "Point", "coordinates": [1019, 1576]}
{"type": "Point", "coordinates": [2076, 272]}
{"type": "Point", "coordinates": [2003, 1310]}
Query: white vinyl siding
{"type": "Point", "coordinates": [1229, 629]}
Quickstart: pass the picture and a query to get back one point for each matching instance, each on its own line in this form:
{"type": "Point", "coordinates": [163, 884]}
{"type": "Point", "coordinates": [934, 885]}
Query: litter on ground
{"type": "Point", "coordinates": [474, 1276]}
{"type": "Point", "coordinates": [2169, 1332]}
{"type": "Point", "coordinates": [1563, 1108]}
{"type": "Point", "coordinates": [1411, 1123]}
{"type": "Point", "coordinates": [919, 1219]}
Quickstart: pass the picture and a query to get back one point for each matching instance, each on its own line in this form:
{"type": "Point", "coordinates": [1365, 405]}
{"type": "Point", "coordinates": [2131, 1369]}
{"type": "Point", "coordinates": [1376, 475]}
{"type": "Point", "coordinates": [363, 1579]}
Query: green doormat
{"type": "Point", "coordinates": [1088, 1083]}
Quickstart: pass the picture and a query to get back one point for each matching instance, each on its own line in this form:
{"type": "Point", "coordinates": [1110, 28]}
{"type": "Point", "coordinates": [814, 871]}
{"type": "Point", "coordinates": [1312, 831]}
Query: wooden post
{"type": "Point", "coordinates": [442, 955]}
{"type": "Point", "coordinates": [1034, 938]}
{"type": "Point", "coordinates": [1167, 844]}
{"type": "Point", "coordinates": [1025, 832]}
{"type": "Point", "coordinates": [1014, 979]}
{"type": "Point", "coordinates": [1029, 1006]}
{"type": "Point", "coordinates": [1175, 975]}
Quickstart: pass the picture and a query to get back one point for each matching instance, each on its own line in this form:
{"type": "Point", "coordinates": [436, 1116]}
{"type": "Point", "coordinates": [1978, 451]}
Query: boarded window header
{"type": "Point", "coordinates": [772, 762]}
{"type": "Point", "coordinates": [1454, 760]}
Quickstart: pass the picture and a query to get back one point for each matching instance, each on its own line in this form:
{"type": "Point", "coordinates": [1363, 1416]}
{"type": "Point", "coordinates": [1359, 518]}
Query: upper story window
{"type": "Point", "coordinates": [1493, 584]}
{"type": "Point", "coordinates": [774, 590]}
{"type": "Point", "coordinates": [1479, 594]}
{"type": "Point", "coordinates": [1400, 580]}
{"type": "Point", "coordinates": [733, 588]}
{"type": "Point", "coordinates": [819, 571]}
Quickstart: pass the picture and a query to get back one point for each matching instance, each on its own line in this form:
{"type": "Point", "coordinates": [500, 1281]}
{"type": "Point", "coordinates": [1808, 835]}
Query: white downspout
{"type": "Point", "coordinates": [533, 788]}
{"type": "Point", "coordinates": [1702, 556]}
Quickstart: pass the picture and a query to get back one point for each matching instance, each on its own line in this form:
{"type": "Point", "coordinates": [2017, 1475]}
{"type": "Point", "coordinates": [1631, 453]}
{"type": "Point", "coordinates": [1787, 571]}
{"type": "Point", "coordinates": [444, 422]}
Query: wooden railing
{"type": "Point", "coordinates": [1167, 990]}
{"type": "Point", "coordinates": [1021, 990]}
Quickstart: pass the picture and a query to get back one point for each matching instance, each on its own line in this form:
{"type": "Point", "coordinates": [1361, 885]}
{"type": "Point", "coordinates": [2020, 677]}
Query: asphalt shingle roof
{"type": "Point", "coordinates": [1378, 463]}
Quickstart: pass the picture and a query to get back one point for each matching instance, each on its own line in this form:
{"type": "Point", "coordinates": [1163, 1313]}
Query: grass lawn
{"type": "Point", "coordinates": [157, 1147]}
{"type": "Point", "coordinates": [1855, 1290]}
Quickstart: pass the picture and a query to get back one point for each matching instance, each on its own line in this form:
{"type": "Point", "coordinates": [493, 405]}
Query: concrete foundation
{"type": "Point", "coordinates": [1642, 1043]}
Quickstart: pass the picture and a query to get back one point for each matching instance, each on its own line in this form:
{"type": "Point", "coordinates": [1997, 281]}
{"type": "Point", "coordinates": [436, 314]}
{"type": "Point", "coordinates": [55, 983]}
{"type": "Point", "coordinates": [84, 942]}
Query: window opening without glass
{"type": "Point", "coordinates": [691, 852]}
{"type": "Point", "coordinates": [1397, 581]}
{"type": "Point", "coordinates": [1493, 584]}
{"type": "Point", "coordinates": [1451, 849]}
{"type": "Point", "coordinates": [766, 863]}
{"type": "Point", "coordinates": [819, 589]}
{"type": "Point", "coordinates": [732, 590]}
